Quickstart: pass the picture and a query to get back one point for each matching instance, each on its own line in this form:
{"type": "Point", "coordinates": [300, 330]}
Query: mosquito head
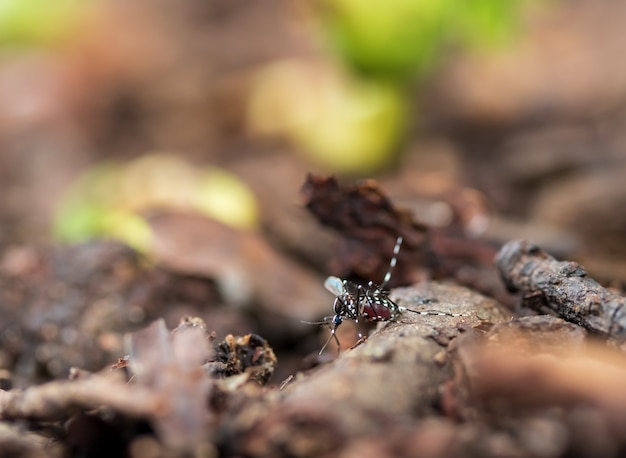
{"type": "Point", "coordinates": [343, 307]}
{"type": "Point", "coordinates": [335, 322]}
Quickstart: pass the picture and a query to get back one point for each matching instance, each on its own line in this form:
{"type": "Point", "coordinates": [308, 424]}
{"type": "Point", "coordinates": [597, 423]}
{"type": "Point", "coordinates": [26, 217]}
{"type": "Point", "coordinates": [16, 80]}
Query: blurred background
{"type": "Point", "coordinates": [185, 130]}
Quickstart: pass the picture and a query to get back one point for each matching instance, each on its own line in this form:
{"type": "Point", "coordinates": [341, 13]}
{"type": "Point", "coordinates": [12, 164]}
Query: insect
{"type": "Point", "coordinates": [354, 301]}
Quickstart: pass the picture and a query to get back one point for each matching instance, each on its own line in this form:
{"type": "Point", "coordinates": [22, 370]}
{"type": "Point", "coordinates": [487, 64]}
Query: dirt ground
{"type": "Point", "coordinates": [507, 194]}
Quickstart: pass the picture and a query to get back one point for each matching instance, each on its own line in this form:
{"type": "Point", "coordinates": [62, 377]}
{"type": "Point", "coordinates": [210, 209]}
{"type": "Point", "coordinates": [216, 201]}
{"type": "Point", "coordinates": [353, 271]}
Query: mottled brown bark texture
{"type": "Point", "coordinates": [561, 287]}
{"type": "Point", "coordinates": [371, 392]}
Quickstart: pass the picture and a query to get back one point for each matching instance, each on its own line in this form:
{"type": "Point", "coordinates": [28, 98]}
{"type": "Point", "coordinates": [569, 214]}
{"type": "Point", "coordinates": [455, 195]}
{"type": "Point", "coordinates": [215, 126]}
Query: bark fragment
{"type": "Point", "coordinates": [370, 224]}
{"type": "Point", "coordinates": [250, 354]}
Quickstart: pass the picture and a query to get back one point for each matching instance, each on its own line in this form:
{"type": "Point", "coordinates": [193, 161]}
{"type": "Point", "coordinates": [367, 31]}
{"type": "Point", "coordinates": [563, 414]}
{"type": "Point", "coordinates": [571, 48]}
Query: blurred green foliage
{"type": "Point", "coordinates": [39, 22]}
{"type": "Point", "coordinates": [402, 38]}
{"type": "Point", "coordinates": [357, 129]}
{"type": "Point", "coordinates": [486, 23]}
{"type": "Point", "coordinates": [384, 37]}
{"type": "Point", "coordinates": [341, 122]}
{"type": "Point", "coordinates": [107, 200]}
{"type": "Point", "coordinates": [353, 119]}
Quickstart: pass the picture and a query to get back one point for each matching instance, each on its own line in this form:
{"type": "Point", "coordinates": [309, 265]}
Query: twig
{"type": "Point", "coordinates": [562, 287]}
{"type": "Point", "coordinates": [58, 400]}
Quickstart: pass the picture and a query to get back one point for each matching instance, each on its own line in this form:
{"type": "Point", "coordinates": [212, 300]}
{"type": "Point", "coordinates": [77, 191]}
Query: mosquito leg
{"type": "Point", "coordinates": [333, 335]}
{"type": "Point", "coordinates": [392, 263]}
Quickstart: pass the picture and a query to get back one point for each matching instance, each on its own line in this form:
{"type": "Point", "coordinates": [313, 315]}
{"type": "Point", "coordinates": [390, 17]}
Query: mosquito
{"type": "Point", "coordinates": [369, 302]}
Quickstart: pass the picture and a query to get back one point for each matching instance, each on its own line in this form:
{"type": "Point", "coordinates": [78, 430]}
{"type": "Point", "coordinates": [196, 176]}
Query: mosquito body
{"type": "Point", "coordinates": [369, 302]}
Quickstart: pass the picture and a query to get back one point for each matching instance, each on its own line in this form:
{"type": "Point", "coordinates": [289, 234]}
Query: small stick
{"type": "Point", "coordinates": [55, 400]}
{"type": "Point", "coordinates": [562, 287]}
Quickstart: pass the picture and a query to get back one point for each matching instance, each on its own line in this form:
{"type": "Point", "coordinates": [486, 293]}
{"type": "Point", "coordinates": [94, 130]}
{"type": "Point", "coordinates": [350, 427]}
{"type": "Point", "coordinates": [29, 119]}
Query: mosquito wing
{"type": "Point", "coordinates": [335, 285]}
